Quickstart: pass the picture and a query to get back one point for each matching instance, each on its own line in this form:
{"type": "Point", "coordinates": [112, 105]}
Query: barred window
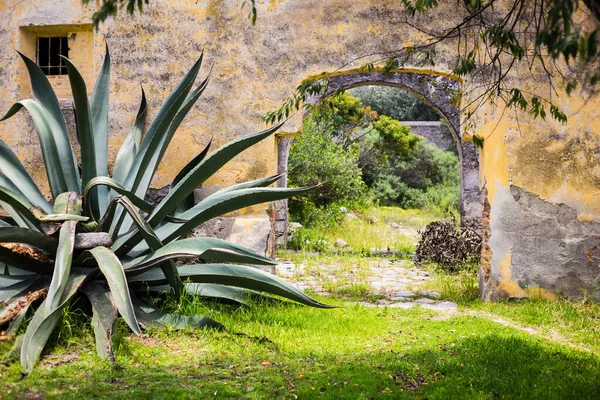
{"type": "Point", "coordinates": [49, 50]}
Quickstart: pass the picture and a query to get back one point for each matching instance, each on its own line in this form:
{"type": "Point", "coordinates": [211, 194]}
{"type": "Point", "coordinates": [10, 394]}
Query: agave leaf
{"type": "Point", "coordinates": [131, 144]}
{"type": "Point", "coordinates": [62, 266]}
{"type": "Point", "coordinates": [153, 243]}
{"type": "Point", "coordinates": [99, 111]}
{"type": "Point", "coordinates": [151, 317]}
{"type": "Point", "coordinates": [63, 217]}
{"type": "Point", "coordinates": [230, 293]}
{"type": "Point", "coordinates": [188, 202]}
{"type": "Point", "coordinates": [192, 164]}
{"type": "Point", "coordinates": [104, 318]}
{"type": "Point", "coordinates": [202, 171]}
{"type": "Point", "coordinates": [155, 156]}
{"type": "Point", "coordinates": [223, 202]}
{"type": "Point", "coordinates": [42, 324]}
{"type": "Point", "coordinates": [263, 182]}
{"type": "Point", "coordinates": [206, 248]}
{"type": "Point", "coordinates": [12, 307]}
{"type": "Point", "coordinates": [14, 326]}
{"type": "Point", "coordinates": [112, 269]}
{"type": "Point", "coordinates": [142, 169]}
{"type": "Point", "coordinates": [232, 275]}
{"type": "Point", "coordinates": [117, 187]}
{"type": "Point", "coordinates": [85, 134]}
{"type": "Point", "coordinates": [19, 209]}
{"type": "Point", "coordinates": [15, 234]}
{"type": "Point", "coordinates": [25, 259]}
{"type": "Point", "coordinates": [20, 284]}
{"type": "Point", "coordinates": [12, 168]}
{"type": "Point", "coordinates": [44, 94]}
{"type": "Point", "coordinates": [43, 126]}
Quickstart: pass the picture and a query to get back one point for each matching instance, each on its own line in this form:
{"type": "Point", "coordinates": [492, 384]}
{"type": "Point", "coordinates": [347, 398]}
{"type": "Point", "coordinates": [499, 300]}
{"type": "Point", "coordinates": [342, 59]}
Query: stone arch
{"type": "Point", "coordinates": [436, 91]}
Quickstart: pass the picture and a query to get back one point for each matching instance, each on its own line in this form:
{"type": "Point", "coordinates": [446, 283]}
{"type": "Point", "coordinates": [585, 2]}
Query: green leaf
{"type": "Point", "coordinates": [151, 317]}
{"type": "Point", "coordinates": [234, 275]}
{"type": "Point", "coordinates": [23, 261]}
{"type": "Point", "coordinates": [478, 141]}
{"type": "Point", "coordinates": [14, 326]}
{"type": "Point", "coordinates": [264, 182]}
{"type": "Point", "coordinates": [104, 318]}
{"type": "Point", "coordinates": [42, 324]}
{"type": "Point", "coordinates": [152, 242]}
{"type": "Point", "coordinates": [141, 166]}
{"type": "Point", "coordinates": [223, 202]}
{"type": "Point", "coordinates": [192, 164]}
{"type": "Point", "coordinates": [85, 134]}
{"type": "Point", "coordinates": [114, 185]}
{"type": "Point", "coordinates": [19, 286]}
{"type": "Point", "coordinates": [205, 248]}
{"type": "Point", "coordinates": [188, 202]}
{"type": "Point", "coordinates": [68, 203]}
{"type": "Point", "coordinates": [13, 234]}
{"type": "Point", "coordinates": [230, 293]}
{"type": "Point", "coordinates": [155, 142]}
{"type": "Point", "coordinates": [204, 170]}
{"type": "Point", "coordinates": [44, 128]}
{"type": "Point", "coordinates": [112, 269]}
{"type": "Point", "coordinates": [44, 94]}
{"type": "Point", "coordinates": [131, 144]}
{"type": "Point", "coordinates": [62, 266]}
{"type": "Point", "coordinates": [19, 209]}
{"type": "Point", "coordinates": [12, 168]}
{"type": "Point", "coordinates": [99, 111]}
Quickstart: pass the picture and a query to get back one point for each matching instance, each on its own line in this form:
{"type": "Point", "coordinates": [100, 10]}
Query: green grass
{"type": "Point", "coordinates": [360, 234]}
{"type": "Point", "coordinates": [352, 352]}
{"type": "Point", "coordinates": [536, 349]}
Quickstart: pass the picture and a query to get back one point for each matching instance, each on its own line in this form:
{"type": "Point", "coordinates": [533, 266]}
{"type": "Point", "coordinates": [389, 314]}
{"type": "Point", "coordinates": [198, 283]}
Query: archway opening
{"type": "Point", "coordinates": [432, 115]}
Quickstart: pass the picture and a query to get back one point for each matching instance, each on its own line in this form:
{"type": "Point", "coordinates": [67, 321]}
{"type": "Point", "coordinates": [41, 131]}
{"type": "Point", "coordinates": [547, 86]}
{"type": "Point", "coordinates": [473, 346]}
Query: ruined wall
{"type": "Point", "coordinates": [534, 172]}
{"type": "Point", "coordinates": [433, 132]}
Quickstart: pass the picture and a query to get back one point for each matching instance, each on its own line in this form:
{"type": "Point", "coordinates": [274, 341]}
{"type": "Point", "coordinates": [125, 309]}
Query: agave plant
{"type": "Point", "coordinates": [98, 238]}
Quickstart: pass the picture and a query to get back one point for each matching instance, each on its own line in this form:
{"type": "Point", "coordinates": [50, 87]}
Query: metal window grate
{"type": "Point", "coordinates": [49, 50]}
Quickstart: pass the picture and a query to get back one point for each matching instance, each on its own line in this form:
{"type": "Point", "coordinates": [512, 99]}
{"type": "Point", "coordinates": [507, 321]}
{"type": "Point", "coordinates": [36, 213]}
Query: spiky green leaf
{"type": "Point", "coordinates": [62, 266]}
{"type": "Point", "coordinates": [99, 112]}
{"type": "Point", "coordinates": [232, 275]}
{"type": "Point", "coordinates": [12, 168]}
{"type": "Point", "coordinates": [204, 170]}
{"type": "Point", "coordinates": [44, 94]}
{"type": "Point", "coordinates": [131, 144]}
{"type": "Point", "coordinates": [221, 203]}
{"type": "Point", "coordinates": [205, 248]}
{"type": "Point", "coordinates": [112, 269]}
{"type": "Point", "coordinates": [104, 318]}
{"type": "Point", "coordinates": [42, 324]}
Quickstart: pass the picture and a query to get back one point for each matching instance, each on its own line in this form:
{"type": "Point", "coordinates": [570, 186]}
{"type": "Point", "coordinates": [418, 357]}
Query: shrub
{"type": "Point", "coordinates": [92, 238]}
{"type": "Point", "coordinates": [429, 178]}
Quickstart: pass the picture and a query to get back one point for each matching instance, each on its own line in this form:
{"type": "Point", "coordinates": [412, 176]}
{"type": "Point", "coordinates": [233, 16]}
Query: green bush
{"type": "Point", "coordinates": [316, 159]}
{"type": "Point", "coordinates": [429, 178]}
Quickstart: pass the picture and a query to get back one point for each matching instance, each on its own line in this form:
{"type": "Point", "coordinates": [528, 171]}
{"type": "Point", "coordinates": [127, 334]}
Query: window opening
{"type": "Point", "coordinates": [49, 50]}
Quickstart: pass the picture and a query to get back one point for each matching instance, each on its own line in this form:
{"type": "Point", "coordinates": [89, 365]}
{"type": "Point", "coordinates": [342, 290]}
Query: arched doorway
{"type": "Point", "coordinates": [437, 91]}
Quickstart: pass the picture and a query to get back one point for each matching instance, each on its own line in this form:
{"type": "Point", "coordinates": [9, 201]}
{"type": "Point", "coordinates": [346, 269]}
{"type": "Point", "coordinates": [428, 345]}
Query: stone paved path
{"type": "Point", "coordinates": [399, 281]}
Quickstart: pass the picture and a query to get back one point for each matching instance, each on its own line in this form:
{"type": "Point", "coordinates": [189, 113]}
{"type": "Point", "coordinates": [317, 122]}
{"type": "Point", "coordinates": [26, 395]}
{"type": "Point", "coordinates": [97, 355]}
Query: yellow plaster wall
{"type": "Point", "coordinates": [256, 67]}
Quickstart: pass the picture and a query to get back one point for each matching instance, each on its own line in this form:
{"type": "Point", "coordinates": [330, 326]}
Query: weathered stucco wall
{"type": "Point", "coordinates": [533, 172]}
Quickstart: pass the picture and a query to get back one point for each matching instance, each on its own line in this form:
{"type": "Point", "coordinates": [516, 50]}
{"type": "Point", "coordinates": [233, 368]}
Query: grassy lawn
{"type": "Point", "coordinates": [536, 349]}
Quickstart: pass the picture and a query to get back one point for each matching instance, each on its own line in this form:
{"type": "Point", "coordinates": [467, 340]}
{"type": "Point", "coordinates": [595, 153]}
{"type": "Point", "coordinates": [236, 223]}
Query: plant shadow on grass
{"type": "Point", "coordinates": [495, 365]}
